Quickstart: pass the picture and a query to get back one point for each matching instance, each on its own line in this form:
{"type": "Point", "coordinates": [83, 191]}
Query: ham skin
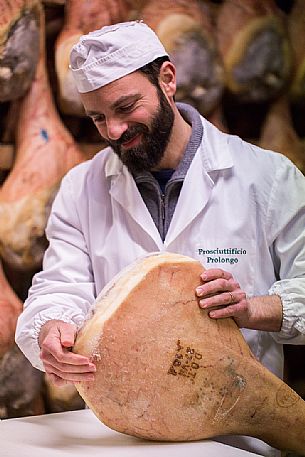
{"type": "Point", "coordinates": [45, 151]}
{"type": "Point", "coordinates": [253, 42]}
{"type": "Point", "coordinates": [166, 371]}
{"type": "Point", "coordinates": [296, 26]}
{"type": "Point", "coordinates": [19, 397]}
{"type": "Point", "coordinates": [16, 398]}
{"type": "Point", "coordinates": [278, 133]}
{"type": "Point", "coordinates": [19, 46]}
{"type": "Point", "coordinates": [81, 17]}
{"type": "Point", "coordinates": [10, 308]}
{"type": "Point", "coordinates": [63, 398]}
{"type": "Point", "coordinates": [186, 31]}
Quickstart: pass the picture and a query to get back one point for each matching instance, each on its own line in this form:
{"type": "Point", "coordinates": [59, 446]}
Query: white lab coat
{"type": "Point", "coordinates": [240, 208]}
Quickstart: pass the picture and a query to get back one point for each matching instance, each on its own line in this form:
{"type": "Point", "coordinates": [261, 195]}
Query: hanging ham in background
{"type": "Point", "coordinates": [63, 398]}
{"type": "Point", "coordinates": [296, 24]}
{"type": "Point", "coordinates": [278, 133]}
{"type": "Point", "coordinates": [81, 17]}
{"type": "Point", "coordinates": [19, 46]}
{"type": "Point", "coordinates": [254, 45]}
{"type": "Point", "coordinates": [10, 308]}
{"type": "Point", "coordinates": [20, 386]}
{"type": "Point", "coordinates": [185, 30]}
{"type": "Point", "coordinates": [217, 118]}
{"type": "Point", "coordinates": [45, 151]}
{"type": "Point", "coordinates": [20, 383]}
{"type": "Point", "coordinates": [166, 371]}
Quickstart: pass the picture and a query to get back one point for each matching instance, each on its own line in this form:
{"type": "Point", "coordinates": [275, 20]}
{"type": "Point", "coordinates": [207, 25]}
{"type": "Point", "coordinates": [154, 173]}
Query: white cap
{"type": "Point", "coordinates": [114, 51]}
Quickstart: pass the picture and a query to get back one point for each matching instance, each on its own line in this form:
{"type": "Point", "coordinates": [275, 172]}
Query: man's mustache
{"type": "Point", "coordinates": [130, 134]}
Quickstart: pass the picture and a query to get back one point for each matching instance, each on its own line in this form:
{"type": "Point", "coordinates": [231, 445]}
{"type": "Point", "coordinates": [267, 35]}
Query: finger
{"type": "Point", "coordinates": [71, 377]}
{"type": "Point", "coordinates": [52, 345]}
{"type": "Point", "coordinates": [214, 287]}
{"type": "Point", "coordinates": [218, 300]}
{"type": "Point", "coordinates": [49, 349]}
{"type": "Point", "coordinates": [68, 368]}
{"type": "Point", "coordinates": [54, 379]}
{"type": "Point", "coordinates": [67, 335]}
{"type": "Point", "coordinates": [229, 311]}
{"type": "Point", "coordinates": [227, 298]}
{"type": "Point", "coordinates": [215, 273]}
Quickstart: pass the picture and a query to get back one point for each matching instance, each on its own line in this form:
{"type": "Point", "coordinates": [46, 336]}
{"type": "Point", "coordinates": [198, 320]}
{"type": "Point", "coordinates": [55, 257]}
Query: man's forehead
{"type": "Point", "coordinates": [123, 99]}
{"type": "Point", "coordinates": [130, 87]}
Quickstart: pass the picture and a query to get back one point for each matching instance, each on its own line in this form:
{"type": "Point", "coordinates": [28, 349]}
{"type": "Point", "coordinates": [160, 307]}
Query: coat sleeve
{"type": "Point", "coordinates": [64, 289]}
{"type": "Point", "coordinates": [286, 228]}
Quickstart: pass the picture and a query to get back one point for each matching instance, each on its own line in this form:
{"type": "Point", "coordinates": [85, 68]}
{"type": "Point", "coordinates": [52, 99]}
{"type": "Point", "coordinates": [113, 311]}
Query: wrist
{"type": "Point", "coordinates": [266, 313]}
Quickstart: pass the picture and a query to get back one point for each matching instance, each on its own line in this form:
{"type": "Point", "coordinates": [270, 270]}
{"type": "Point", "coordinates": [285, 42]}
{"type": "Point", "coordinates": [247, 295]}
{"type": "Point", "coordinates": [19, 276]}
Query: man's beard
{"type": "Point", "coordinates": [154, 139]}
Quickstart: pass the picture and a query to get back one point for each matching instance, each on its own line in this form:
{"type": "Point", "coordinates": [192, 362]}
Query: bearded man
{"type": "Point", "coordinates": [169, 181]}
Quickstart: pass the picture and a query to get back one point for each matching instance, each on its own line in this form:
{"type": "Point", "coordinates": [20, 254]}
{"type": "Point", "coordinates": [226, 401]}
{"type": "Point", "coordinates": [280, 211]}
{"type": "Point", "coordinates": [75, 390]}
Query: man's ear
{"type": "Point", "coordinates": [167, 78]}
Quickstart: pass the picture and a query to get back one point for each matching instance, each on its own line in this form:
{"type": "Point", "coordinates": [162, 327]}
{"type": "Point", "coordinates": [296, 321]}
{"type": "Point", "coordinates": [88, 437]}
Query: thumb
{"type": "Point", "coordinates": [67, 335]}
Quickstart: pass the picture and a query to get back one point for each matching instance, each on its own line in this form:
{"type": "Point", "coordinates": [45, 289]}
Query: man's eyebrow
{"type": "Point", "coordinates": [126, 98]}
{"type": "Point", "coordinates": [116, 104]}
{"type": "Point", "coordinates": [92, 113]}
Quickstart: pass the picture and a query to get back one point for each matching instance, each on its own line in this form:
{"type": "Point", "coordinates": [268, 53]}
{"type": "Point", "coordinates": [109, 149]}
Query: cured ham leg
{"type": "Point", "coordinates": [19, 46]}
{"type": "Point", "coordinates": [185, 29]}
{"type": "Point", "coordinates": [20, 386]}
{"type": "Point", "coordinates": [18, 397]}
{"type": "Point", "coordinates": [278, 133]}
{"type": "Point", "coordinates": [166, 371]}
{"type": "Point", "coordinates": [10, 308]}
{"type": "Point", "coordinates": [218, 119]}
{"type": "Point", "coordinates": [253, 43]}
{"type": "Point", "coordinates": [81, 17]}
{"type": "Point", "coordinates": [296, 25]}
{"type": "Point", "coordinates": [45, 152]}
{"type": "Point", "coordinates": [63, 398]}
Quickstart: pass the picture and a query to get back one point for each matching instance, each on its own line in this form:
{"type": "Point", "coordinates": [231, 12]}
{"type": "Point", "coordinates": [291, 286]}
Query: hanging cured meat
{"type": "Point", "coordinates": [218, 119]}
{"type": "Point", "coordinates": [185, 29]}
{"type": "Point", "coordinates": [278, 133]}
{"type": "Point", "coordinates": [19, 46]}
{"type": "Point", "coordinates": [45, 152]}
{"type": "Point", "coordinates": [297, 36]}
{"type": "Point", "coordinates": [18, 397]}
{"type": "Point", "coordinates": [63, 398]}
{"type": "Point", "coordinates": [136, 4]}
{"type": "Point", "coordinates": [10, 308]}
{"type": "Point", "coordinates": [253, 42]}
{"type": "Point", "coordinates": [166, 371]}
{"type": "Point", "coordinates": [20, 386]}
{"type": "Point", "coordinates": [54, 2]}
{"type": "Point", "coordinates": [81, 17]}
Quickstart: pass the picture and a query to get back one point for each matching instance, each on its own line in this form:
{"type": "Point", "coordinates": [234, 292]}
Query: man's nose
{"type": "Point", "coordinates": [115, 128]}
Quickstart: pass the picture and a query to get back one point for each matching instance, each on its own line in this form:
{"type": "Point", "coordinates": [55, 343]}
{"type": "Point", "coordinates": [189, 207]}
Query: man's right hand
{"type": "Point", "coordinates": [56, 338]}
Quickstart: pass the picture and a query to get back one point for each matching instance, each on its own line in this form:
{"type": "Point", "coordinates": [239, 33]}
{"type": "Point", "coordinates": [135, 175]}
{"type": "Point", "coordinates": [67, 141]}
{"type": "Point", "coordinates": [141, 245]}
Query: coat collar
{"type": "Point", "coordinates": [215, 148]}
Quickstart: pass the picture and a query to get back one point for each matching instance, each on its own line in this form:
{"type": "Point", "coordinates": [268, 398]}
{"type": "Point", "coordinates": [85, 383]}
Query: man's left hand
{"type": "Point", "coordinates": [221, 295]}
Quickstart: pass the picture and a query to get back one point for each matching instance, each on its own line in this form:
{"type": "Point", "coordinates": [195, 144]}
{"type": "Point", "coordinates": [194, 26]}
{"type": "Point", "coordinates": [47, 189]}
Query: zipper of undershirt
{"type": "Point", "coordinates": [163, 207]}
{"type": "Point", "coordinates": [163, 214]}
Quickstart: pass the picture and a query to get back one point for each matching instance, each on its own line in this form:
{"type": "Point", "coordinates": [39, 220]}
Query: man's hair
{"type": "Point", "coordinates": [152, 69]}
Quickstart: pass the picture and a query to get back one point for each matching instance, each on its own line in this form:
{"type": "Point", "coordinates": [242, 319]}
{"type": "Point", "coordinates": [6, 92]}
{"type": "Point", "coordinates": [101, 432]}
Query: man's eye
{"type": "Point", "coordinates": [98, 118]}
{"type": "Point", "coordinates": [126, 108]}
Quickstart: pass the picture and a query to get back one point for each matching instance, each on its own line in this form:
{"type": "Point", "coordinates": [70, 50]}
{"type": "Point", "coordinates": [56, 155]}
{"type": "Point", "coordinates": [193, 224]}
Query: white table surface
{"type": "Point", "coordinates": [80, 433]}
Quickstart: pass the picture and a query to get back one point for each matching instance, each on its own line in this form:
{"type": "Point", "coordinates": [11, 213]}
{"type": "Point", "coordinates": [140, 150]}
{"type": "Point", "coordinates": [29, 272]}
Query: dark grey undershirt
{"type": "Point", "coordinates": [162, 206]}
